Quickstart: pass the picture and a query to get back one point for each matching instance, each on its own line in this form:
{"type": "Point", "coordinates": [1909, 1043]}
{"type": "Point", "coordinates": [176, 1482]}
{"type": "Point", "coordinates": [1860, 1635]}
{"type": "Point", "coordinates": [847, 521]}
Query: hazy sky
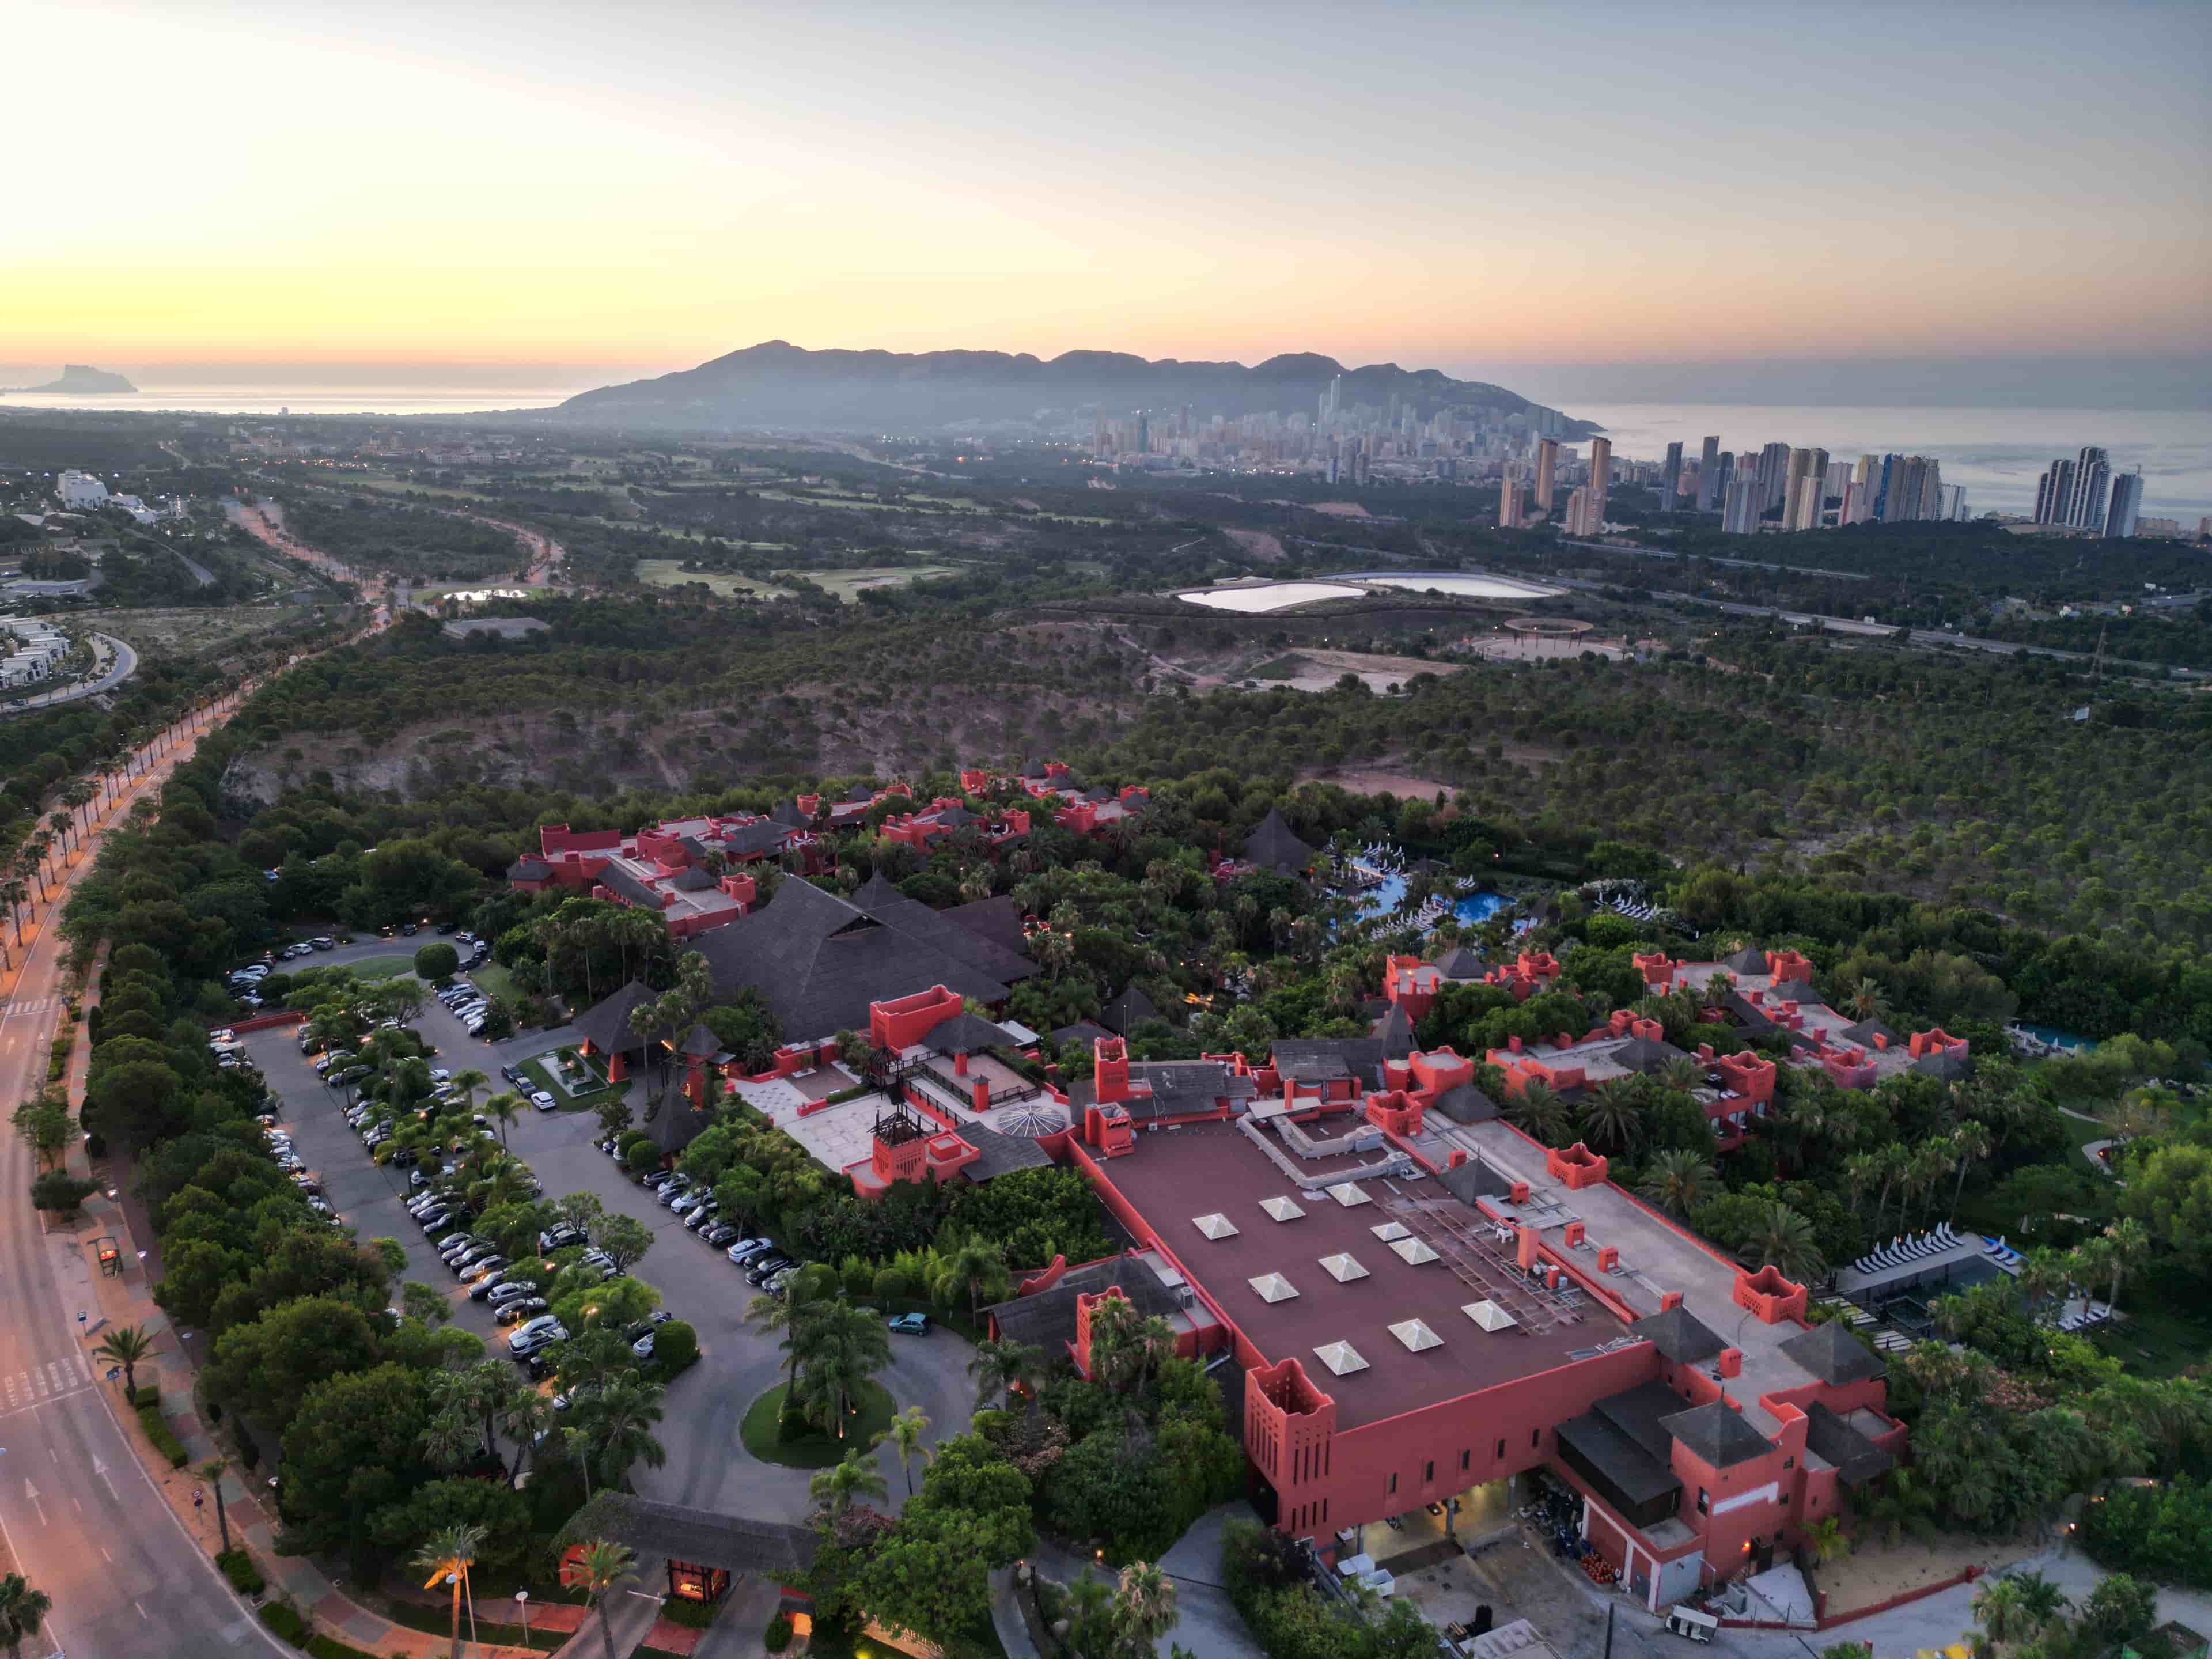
{"type": "Point", "coordinates": [1466, 186]}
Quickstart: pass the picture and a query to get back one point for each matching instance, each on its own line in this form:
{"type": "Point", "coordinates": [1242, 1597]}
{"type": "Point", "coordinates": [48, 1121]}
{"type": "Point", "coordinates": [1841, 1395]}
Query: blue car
{"type": "Point", "coordinates": [910, 1324]}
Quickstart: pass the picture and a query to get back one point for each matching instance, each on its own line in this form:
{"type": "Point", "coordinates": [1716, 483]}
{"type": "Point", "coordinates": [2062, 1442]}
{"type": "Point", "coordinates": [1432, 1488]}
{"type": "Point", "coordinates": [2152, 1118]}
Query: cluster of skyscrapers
{"type": "Point", "coordinates": [1806, 490]}
{"type": "Point", "coordinates": [1341, 439]}
{"type": "Point", "coordinates": [2084, 494]}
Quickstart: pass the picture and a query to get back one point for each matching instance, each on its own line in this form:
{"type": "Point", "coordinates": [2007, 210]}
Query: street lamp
{"type": "Point", "coordinates": [522, 1607]}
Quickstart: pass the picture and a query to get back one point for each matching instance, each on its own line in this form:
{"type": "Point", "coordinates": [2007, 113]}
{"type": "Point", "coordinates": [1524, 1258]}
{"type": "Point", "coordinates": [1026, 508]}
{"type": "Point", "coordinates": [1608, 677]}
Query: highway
{"type": "Point", "coordinates": [79, 1516]}
{"type": "Point", "coordinates": [122, 664]}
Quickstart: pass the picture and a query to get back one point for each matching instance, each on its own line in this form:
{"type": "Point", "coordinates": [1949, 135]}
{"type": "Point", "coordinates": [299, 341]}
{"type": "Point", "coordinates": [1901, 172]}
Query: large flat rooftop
{"type": "Point", "coordinates": [1176, 1176]}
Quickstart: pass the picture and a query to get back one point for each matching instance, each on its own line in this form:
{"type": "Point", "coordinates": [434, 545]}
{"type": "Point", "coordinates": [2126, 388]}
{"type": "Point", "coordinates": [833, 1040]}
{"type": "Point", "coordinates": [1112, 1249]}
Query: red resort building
{"type": "Point", "coordinates": [1422, 1304]}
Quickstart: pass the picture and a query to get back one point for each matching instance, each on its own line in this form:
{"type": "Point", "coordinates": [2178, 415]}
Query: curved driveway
{"type": "Point", "coordinates": [122, 664]}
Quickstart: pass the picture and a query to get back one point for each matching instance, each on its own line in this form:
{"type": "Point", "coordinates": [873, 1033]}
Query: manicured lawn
{"type": "Point", "coordinates": [813, 1449]}
{"type": "Point", "coordinates": [2083, 1133]}
{"type": "Point", "coordinates": [493, 980]}
{"type": "Point", "coordinates": [2161, 1334]}
{"type": "Point", "coordinates": [382, 967]}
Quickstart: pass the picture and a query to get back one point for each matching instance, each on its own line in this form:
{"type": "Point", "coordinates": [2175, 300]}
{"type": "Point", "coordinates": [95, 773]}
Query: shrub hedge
{"type": "Point", "coordinates": [166, 1443]}
{"type": "Point", "coordinates": [287, 1623]}
{"type": "Point", "coordinates": [244, 1577]}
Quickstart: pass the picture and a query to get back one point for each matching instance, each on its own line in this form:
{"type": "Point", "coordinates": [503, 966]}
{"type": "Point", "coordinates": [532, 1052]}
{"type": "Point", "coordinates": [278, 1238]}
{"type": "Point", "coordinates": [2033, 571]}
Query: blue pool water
{"type": "Point", "coordinates": [2057, 1038]}
{"type": "Point", "coordinates": [1480, 909]}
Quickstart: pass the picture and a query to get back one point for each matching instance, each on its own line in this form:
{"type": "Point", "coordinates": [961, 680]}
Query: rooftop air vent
{"type": "Point", "coordinates": [1489, 1316]}
{"type": "Point", "coordinates": [1216, 1225]}
{"type": "Point", "coordinates": [1416, 1335]}
{"type": "Point", "coordinates": [1390, 1231]}
{"type": "Point", "coordinates": [1283, 1209]}
{"type": "Point", "coordinates": [1350, 1194]}
{"type": "Point", "coordinates": [1412, 1251]}
{"type": "Point", "coordinates": [1343, 1267]}
{"type": "Point", "coordinates": [1341, 1357]}
{"type": "Point", "coordinates": [1273, 1287]}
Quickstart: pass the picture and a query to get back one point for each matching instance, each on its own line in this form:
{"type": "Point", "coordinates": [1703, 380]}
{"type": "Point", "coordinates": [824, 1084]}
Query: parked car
{"type": "Point", "coordinates": [702, 1217]}
{"type": "Point", "coordinates": [520, 1311]}
{"type": "Point", "coordinates": [643, 1347]}
{"type": "Point", "coordinates": [722, 1235]}
{"type": "Point", "coordinates": [543, 1101]}
{"type": "Point", "coordinates": [535, 1333]}
{"type": "Point", "coordinates": [909, 1324]}
{"type": "Point", "coordinates": [611, 1146]}
{"type": "Point", "coordinates": [746, 1249]}
{"type": "Point", "coordinates": [765, 1270]}
{"type": "Point", "coordinates": [512, 1073]}
{"type": "Point", "coordinates": [560, 1237]}
{"type": "Point", "coordinates": [511, 1289]}
{"type": "Point", "coordinates": [470, 1271]}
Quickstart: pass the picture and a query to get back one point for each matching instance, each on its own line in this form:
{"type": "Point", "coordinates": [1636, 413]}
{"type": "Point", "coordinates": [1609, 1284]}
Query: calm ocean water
{"type": "Point", "coordinates": [1996, 453]}
{"type": "Point", "coordinates": [312, 399]}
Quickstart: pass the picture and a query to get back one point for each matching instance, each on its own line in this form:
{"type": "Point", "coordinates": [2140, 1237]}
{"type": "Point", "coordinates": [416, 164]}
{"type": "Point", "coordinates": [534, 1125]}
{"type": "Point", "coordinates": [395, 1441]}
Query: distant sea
{"type": "Point", "coordinates": [1997, 454]}
{"type": "Point", "coordinates": [234, 399]}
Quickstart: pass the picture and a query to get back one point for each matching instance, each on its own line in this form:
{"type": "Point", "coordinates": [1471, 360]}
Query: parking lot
{"type": "Point", "coordinates": [707, 1464]}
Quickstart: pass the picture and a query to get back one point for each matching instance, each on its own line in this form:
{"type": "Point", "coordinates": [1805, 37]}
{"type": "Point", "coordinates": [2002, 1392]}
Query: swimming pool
{"type": "Point", "coordinates": [2058, 1039]}
{"type": "Point", "coordinates": [1376, 901]}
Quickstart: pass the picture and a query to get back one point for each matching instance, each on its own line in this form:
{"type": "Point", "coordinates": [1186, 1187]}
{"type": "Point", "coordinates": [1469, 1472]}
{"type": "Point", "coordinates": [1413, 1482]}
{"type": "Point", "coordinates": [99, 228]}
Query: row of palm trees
{"type": "Point", "coordinates": [834, 1350]}
{"type": "Point", "coordinates": [598, 1568]}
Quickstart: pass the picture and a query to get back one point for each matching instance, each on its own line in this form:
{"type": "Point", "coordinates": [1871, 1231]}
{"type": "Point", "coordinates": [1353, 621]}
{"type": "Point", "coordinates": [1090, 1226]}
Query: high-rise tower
{"type": "Point", "coordinates": [1708, 468]}
{"type": "Point", "coordinates": [1547, 464]}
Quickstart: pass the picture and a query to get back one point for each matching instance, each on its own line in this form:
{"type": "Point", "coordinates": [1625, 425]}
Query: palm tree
{"type": "Point", "coordinates": [1144, 1607]}
{"type": "Point", "coordinates": [1002, 1368]}
{"type": "Point", "coordinates": [2129, 1242]}
{"type": "Point", "coordinates": [975, 1263]}
{"type": "Point", "coordinates": [1677, 1181]}
{"type": "Point", "coordinates": [850, 1348]}
{"type": "Point", "coordinates": [835, 1487]}
{"type": "Point", "coordinates": [904, 1437]}
{"type": "Point", "coordinates": [1786, 1241]}
{"type": "Point", "coordinates": [449, 1438]}
{"type": "Point", "coordinates": [1683, 1072]}
{"type": "Point", "coordinates": [528, 1415]}
{"type": "Point", "coordinates": [1612, 1110]}
{"type": "Point", "coordinates": [1538, 1112]}
{"type": "Point", "coordinates": [22, 1613]}
{"type": "Point", "coordinates": [1930, 1162]}
{"type": "Point", "coordinates": [2000, 1607]}
{"type": "Point", "coordinates": [620, 1416]}
{"type": "Point", "coordinates": [793, 1312]}
{"type": "Point", "coordinates": [212, 1471]}
{"type": "Point", "coordinates": [1861, 1171]}
{"type": "Point", "coordinates": [468, 1082]}
{"type": "Point", "coordinates": [1828, 1540]}
{"type": "Point", "coordinates": [599, 1567]}
{"type": "Point", "coordinates": [2041, 1601]}
{"type": "Point", "coordinates": [1867, 1001]}
{"type": "Point", "coordinates": [448, 1553]}
{"type": "Point", "coordinates": [1891, 1160]}
{"type": "Point", "coordinates": [2043, 1274]}
{"type": "Point", "coordinates": [1971, 1143]}
{"type": "Point", "coordinates": [503, 1108]}
{"type": "Point", "coordinates": [126, 1346]}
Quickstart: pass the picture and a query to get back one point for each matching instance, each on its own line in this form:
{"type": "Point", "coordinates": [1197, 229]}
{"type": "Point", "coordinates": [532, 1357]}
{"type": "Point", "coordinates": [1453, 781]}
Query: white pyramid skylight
{"type": "Point", "coordinates": [1283, 1209]}
{"type": "Point", "coordinates": [1411, 1251]}
{"type": "Point", "coordinates": [1343, 1267]}
{"type": "Point", "coordinates": [1216, 1225]}
{"type": "Point", "coordinates": [1416, 1335]}
{"type": "Point", "coordinates": [1273, 1287]}
{"type": "Point", "coordinates": [1341, 1357]}
{"type": "Point", "coordinates": [1350, 1194]}
{"type": "Point", "coordinates": [1390, 1231]}
{"type": "Point", "coordinates": [1489, 1316]}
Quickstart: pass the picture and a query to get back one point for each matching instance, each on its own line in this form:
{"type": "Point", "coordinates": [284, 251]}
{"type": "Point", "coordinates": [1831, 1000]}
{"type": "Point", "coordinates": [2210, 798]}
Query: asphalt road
{"type": "Point", "coordinates": [707, 1464]}
{"type": "Point", "coordinates": [77, 1512]}
{"type": "Point", "coordinates": [122, 664]}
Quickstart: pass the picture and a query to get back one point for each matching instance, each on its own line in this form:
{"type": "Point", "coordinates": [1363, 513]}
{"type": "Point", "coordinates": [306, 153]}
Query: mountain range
{"type": "Point", "coordinates": [777, 384]}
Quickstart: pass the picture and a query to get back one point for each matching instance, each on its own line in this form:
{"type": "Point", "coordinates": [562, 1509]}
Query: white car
{"type": "Point", "coordinates": [543, 1101]}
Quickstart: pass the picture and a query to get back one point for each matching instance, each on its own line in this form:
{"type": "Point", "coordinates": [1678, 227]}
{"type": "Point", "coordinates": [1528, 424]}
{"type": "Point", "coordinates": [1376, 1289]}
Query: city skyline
{"type": "Point", "coordinates": [1207, 188]}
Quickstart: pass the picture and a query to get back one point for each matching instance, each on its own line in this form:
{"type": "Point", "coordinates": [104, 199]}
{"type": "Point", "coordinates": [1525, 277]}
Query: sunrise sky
{"type": "Point", "coordinates": [648, 185]}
